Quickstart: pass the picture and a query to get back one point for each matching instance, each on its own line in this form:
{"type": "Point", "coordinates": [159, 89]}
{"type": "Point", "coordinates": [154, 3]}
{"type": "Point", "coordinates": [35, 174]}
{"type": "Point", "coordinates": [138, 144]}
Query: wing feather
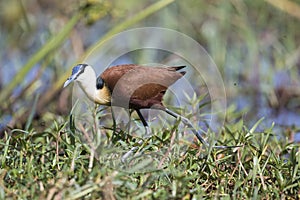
{"type": "Point", "coordinates": [141, 86]}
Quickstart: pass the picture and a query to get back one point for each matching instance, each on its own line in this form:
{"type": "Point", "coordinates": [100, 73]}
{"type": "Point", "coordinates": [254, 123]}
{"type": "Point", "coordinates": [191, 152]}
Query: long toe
{"type": "Point", "coordinates": [129, 153]}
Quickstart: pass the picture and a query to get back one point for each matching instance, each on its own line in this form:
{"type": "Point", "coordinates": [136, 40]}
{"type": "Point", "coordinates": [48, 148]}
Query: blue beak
{"type": "Point", "coordinates": [70, 80]}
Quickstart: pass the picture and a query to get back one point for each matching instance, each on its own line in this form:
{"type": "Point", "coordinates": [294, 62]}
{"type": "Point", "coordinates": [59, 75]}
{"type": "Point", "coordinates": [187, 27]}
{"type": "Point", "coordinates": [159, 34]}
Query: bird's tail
{"type": "Point", "coordinates": [176, 68]}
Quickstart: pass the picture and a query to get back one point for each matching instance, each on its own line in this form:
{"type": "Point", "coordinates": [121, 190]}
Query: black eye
{"type": "Point", "coordinates": [99, 83]}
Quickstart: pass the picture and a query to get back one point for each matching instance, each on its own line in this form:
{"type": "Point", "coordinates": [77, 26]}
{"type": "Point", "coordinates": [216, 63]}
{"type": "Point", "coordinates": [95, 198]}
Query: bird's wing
{"type": "Point", "coordinates": [137, 83]}
{"type": "Point", "coordinates": [112, 75]}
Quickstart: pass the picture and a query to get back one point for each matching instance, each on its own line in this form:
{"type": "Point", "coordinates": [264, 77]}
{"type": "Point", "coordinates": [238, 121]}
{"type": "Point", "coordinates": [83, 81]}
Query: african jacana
{"type": "Point", "coordinates": [131, 86]}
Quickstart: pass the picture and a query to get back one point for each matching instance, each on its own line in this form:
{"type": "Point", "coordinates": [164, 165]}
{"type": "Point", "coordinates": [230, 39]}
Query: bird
{"type": "Point", "coordinates": [133, 87]}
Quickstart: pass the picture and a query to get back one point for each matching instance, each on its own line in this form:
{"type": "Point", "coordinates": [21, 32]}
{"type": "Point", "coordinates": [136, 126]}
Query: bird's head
{"type": "Point", "coordinates": [94, 88]}
{"type": "Point", "coordinates": [77, 73]}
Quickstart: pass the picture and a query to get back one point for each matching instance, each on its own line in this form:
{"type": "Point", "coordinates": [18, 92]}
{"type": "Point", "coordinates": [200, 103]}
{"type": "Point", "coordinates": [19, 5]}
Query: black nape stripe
{"type": "Point", "coordinates": [84, 65]}
{"type": "Point", "coordinates": [99, 83]}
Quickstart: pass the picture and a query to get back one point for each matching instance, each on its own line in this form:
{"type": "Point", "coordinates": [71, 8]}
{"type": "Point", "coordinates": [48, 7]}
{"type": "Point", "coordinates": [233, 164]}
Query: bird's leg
{"type": "Point", "coordinates": [114, 119]}
{"type": "Point", "coordinates": [129, 121]}
{"type": "Point", "coordinates": [189, 124]}
{"type": "Point", "coordinates": [198, 135]}
{"type": "Point", "coordinates": [148, 134]}
{"type": "Point", "coordinates": [148, 130]}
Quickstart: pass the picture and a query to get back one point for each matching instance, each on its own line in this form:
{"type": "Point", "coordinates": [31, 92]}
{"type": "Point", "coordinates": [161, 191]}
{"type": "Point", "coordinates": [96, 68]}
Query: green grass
{"type": "Point", "coordinates": [59, 163]}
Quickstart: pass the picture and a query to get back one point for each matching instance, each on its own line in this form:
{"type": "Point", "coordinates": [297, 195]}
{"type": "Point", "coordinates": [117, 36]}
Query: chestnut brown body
{"type": "Point", "coordinates": [139, 87]}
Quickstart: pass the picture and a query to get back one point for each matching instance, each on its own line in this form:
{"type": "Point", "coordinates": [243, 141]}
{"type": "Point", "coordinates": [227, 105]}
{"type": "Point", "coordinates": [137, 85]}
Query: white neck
{"type": "Point", "coordinates": [87, 82]}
